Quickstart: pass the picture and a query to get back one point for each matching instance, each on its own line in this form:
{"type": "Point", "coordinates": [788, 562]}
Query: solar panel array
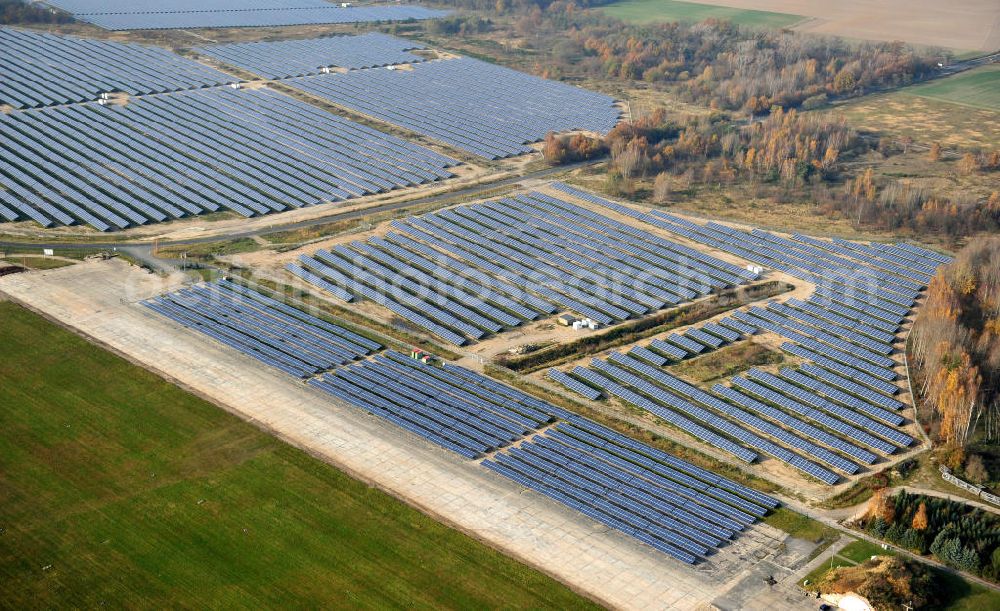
{"type": "Point", "coordinates": [260, 327]}
{"type": "Point", "coordinates": [837, 409]}
{"type": "Point", "coordinates": [160, 157]}
{"type": "Point", "coordinates": [484, 109]}
{"type": "Point", "coordinates": [288, 58]}
{"type": "Point", "coordinates": [478, 269]}
{"type": "Point", "coordinates": [151, 15]}
{"type": "Point", "coordinates": [663, 351]}
{"type": "Point", "coordinates": [682, 511]}
{"type": "Point", "coordinates": [435, 403]}
{"type": "Point", "coordinates": [40, 69]}
{"type": "Point", "coordinates": [673, 506]}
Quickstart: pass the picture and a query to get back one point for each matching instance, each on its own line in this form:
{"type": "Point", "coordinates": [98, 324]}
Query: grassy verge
{"type": "Point", "coordinates": [977, 88]}
{"type": "Point", "coordinates": [648, 326]}
{"type": "Point", "coordinates": [32, 251]}
{"type": "Point", "coordinates": [121, 490]}
{"type": "Point", "coordinates": [803, 527]}
{"type": "Point", "coordinates": [327, 230]}
{"type": "Point", "coordinates": [37, 262]}
{"type": "Point", "coordinates": [727, 361]}
{"type": "Point", "coordinates": [209, 250]}
{"type": "Point", "coordinates": [859, 551]}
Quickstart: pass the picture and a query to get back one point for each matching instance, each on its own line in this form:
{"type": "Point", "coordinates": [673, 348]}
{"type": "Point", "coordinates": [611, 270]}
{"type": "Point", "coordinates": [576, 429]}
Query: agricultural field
{"type": "Point", "coordinates": [652, 11]}
{"type": "Point", "coordinates": [978, 88]}
{"type": "Point", "coordinates": [123, 490]}
{"type": "Point", "coordinates": [964, 25]}
{"type": "Point", "coordinates": [960, 111]}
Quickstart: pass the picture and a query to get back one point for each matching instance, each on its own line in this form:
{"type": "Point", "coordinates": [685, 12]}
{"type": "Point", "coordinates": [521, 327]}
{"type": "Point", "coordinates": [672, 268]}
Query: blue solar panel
{"type": "Point", "coordinates": [574, 384]}
{"type": "Point", "coordinates": [288, 58]}
{"type": "Point", "coordinates": [249, 151]}
{"type": "Point", "coordinates": [481, 108]}
{"type": "Point", "coordinates": [188, 14]}
{"type": "Point", "coordinates": [42, 69]}
{"type": "Point", "coordinates": [255, 324]}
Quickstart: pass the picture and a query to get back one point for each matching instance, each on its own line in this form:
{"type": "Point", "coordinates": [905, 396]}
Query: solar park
{"type": "Point", "coordinates": [42, 69]}
{"type": "Point", "coordinates": [673, 506]}
{"type": "Point", "coordinates": [165, 157]}
{"type": "Point", "coordinates": [473, 270]}
{"type": "Point", "coordinates": [830, 417]}
{"type": "Point", "coordinates": [484, 109]}
{"type": "Point", "coordinates": [186, 144]}
{"type": "Point", "coordinates": [192, 140]}
{"type": "Point", "coordinates": [289, 58]}
{"type": "Point", "coordinates": [150, 15]}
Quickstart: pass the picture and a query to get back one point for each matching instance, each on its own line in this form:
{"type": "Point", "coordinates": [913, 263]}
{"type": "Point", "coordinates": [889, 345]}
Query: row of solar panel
{"type": "Point", "coordinates": [531, 244]}
{"type": "Point", "coordinates": [810, 260]}
{"type": "Point", "coordinates": [100, 7]}
{"type": "Point", "coordinates": [688, 508]}
{"type": "Point", "coordinates": [41, 69]}
{"type": "Point", "coordinates": [435, 401]}
{"type": "Point", "coordinates": [846, 328]}
{"type": "Point", "coordinates": [690, 253]}
{"type": "Point", "coordinates": [263, 328]}
{"type": "Point", "coordinates": [249, 151]}
{"type": "Point", "coordinates": [481, 108]}
{"type": "Point", "coordinates": [288, 58]}
{"type": "Point", "coordinates": [673, 347]}
{"type": "Point", "coordinates": [807, 258]}
{"type": "Point", "coordinates": [803, 393]}
{"type": "Point", "coordinates": [186, 14]}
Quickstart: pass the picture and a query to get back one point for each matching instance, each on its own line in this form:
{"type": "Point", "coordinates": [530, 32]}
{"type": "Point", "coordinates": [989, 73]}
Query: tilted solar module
{"type": "Point", "coordinates": [481, 108]}
{"type": "Point", "coordinates": [190, 14]}
{"type": "Point", "coordinates": [288, 58]}
{"type": "Point", "coordinates": [42, 69]}
{"type": "Point", "coordinates": [249, 151]}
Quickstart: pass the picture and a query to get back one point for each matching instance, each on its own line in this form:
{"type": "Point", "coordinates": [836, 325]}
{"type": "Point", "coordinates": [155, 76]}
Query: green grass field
{"type": "Point", "coordinates": [652, 11]}
{"type": "Point", "coordinates": [977, 88]}
{"type": "Point", "coordinates": [119, 489]}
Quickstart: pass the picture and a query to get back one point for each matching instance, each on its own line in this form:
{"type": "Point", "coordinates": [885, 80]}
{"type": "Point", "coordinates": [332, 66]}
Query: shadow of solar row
{"type": "Point", "coordinates": [474, 270]}
{"type": "Point", "coordinates": [154, 15]}
{"type": "Point", "coordinates": [288, 58]}
{"type": "Point", "coordinates": [260, 327]}
{"type": "Point", "coordinates": [252, 152]}
{"type": "Point", "coordinates": [41, 69]}
{"type": "Point", "coordinates": [481, 108]}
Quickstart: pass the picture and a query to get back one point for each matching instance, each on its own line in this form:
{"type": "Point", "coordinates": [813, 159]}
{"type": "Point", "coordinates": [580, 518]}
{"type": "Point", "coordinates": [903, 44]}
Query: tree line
{"type": "Point", "coordinates": [957, 534]}
{"type": "Point", "coordinates": [714, 62]}
{"type": "Point", "coordinates": [18, 11]}
{"type": "Point", "coordinates": [956, 345]}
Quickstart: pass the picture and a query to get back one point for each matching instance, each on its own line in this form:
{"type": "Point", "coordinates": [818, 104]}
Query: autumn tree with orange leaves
{"type": "Point", "coordinates": [956, 344]}
{"type": "Point", "coordinates": [920, 519]}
